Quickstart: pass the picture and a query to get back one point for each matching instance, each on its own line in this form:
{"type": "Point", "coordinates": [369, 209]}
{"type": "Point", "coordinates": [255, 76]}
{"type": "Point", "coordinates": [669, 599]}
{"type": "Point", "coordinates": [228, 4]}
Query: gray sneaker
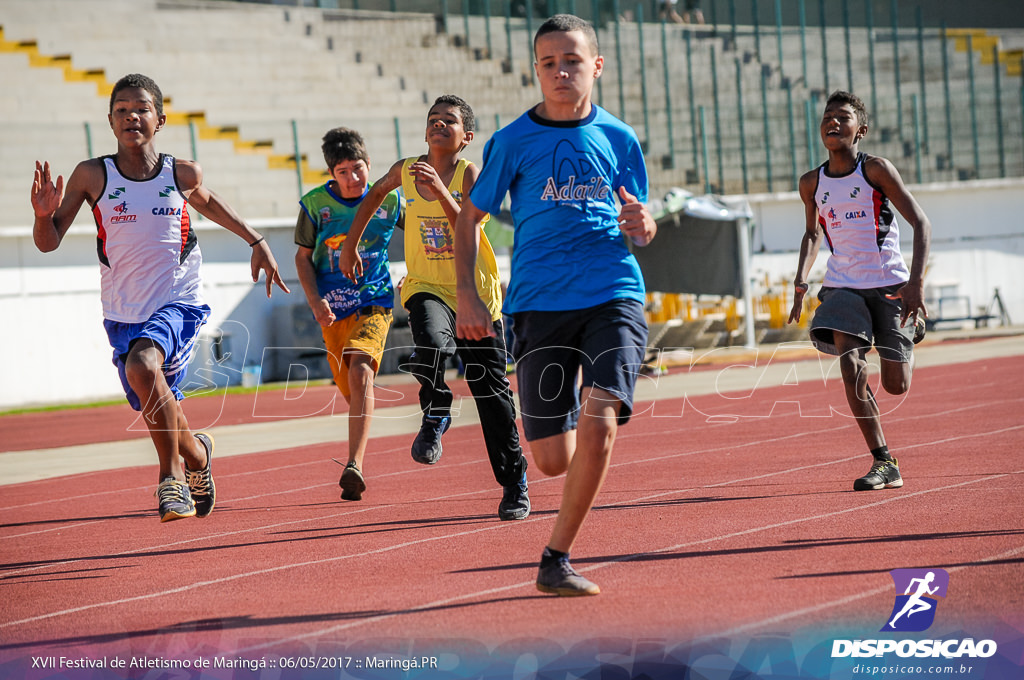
{"type": "Point", "coordinates": [559, 578]}
{"type": "Point", "coordinates": [175, 502]}
{"type": "Point", "coordinates": [884, 474]}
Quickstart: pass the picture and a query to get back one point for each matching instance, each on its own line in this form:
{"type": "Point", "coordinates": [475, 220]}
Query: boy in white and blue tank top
{"type": "Point", "coordinates": [868, 297]}
{"type": "Point", "coordinates": [149, 272]}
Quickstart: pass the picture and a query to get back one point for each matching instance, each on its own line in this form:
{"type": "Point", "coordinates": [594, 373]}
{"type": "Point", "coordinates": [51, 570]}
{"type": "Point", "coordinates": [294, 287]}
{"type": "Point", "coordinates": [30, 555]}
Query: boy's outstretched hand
{"type": "Point", "coordinates": [46, 196]}
{"type": "Point", "coordinates": [634, 219]}
{"type": "Point", "coordinates": [263, 259]}
{"type": "Point", "coordinates": [798, 303]}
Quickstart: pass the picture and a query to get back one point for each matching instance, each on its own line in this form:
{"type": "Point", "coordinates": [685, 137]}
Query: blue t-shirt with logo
{"type": "Point", "coordinates": [563, 179]}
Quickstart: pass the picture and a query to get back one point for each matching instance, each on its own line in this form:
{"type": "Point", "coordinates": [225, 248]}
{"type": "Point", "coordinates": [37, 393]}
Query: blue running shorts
{"type": "Point", "coordinates": [174, 328]}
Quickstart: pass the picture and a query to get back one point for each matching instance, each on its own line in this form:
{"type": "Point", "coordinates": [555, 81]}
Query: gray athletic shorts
{"type": "Point", "coordinates": [867, 314]}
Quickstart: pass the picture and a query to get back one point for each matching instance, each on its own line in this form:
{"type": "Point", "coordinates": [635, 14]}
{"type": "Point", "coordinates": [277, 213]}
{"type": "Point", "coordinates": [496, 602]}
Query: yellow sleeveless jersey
{"type": "Point", "coordinates": [430, 247]}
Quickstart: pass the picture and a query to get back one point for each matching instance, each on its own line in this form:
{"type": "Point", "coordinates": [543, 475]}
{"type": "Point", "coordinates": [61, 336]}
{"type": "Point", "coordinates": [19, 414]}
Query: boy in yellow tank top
{"type": "Point", "coordinates": [433, 186]}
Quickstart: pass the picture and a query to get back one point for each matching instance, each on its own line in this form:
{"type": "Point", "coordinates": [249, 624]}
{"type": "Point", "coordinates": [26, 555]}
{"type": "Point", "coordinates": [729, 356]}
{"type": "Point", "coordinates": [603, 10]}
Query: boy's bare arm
{"type": "Point", "coordinates": [810, 244]}
{"type": "Point", "coordinates": [348, 261]}
{"type": "Point", "coordinates": [307, 277]}
{"type": "Point", "coordinates": [472, 318]}
{"type": "Point", "coordinates": [56, 206]}
{"type": "Point", "coordinates": [880, 172]}
{"type": "Point", "coordinates": [211, 206]}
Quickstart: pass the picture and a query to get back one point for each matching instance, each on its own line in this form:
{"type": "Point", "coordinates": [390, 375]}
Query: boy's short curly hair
{"type": "Point", "coordinates": [143, 83]}
{"type": "Point", "coordinates": [465, 110]}
{"type": "Point", "coordinates": [856, 103]}
{"type": "Point", "coordinates": [342, 144]}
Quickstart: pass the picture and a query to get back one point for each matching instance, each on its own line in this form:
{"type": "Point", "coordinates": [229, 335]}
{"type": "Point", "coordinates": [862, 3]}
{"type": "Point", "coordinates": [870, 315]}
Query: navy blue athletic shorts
{"type": "Point", "coordinates": [558, 352]}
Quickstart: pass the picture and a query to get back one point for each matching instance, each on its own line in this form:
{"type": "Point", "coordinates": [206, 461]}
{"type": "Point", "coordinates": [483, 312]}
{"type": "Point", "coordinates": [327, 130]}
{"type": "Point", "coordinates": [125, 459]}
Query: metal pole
{"type": "Point", "coordinates": [88, 141]}
{"type": "Point", "coordinates": [704, 150]}
{"type": "Point", "coordinates": [732, 20]}
{"type": "Point", "coordinates": [596, 8]}
{"type": "Point", "coordinates": [743, 248]}
{"type": "Point", "coordinates": [809, 124]}
{"type": "Point", "coordinates": [487, 27]}
{"type": "Point", "coordinates": [444, 16]}
{"type": "Point", "coordinates": [974, 105]}
{"type": "Point", "coordinates": [465, 20]}
{"type": "Point", "coordinates": [846, 36]}
{"type": "Point", "coordinates": [870, 21]}
{"type": "Point", "coordinates": [792, 138]}
{"type": "Point", "coordinates": [740, 117]}
{"type": "Point", "coordinates": [529, 42]}
{"type": "Point", "coordinates": [803, 39]}
{"type": "Point", "coordinates": [999, 111]}
{"type": "Point", "coordinates": [767, 130]}
{"type": "Point", "coordinates": [755, 20]}
{"type": "Point", "coordinates": [896, 66]}
{"type": "Point", "coordinates": [398, 137]}
{"type": "Point", "coordinates": [508, 35]}
{"type": "Point", "coordinates": [643, 72]}
{"type": "Point", "coordinates": [920, 75]}
{"type": "Point", "coordinates": [718, 121]}
{"type": "Point", "coordinates": [689, 93]}
{"type": "Point", "coordinates": [668, 96]}
{"type": "Point", "coordinates": [298, 155]}
{"type": "Point", "coordinates": [948, 96]}
{"type": "Point", "coordinates": [824, 45]}
{"type": "Point", "coordinates": [778, 32]}
{"type": "Point", "coordinates": [916, 104]}
{"type": "Point", "coordinates": [618, 60]}
{"type": "Point", "coordinates": [193, 139]}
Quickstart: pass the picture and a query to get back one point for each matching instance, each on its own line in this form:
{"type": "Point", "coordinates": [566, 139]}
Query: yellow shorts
{"type": "Point", "coordinates": [361, 333]}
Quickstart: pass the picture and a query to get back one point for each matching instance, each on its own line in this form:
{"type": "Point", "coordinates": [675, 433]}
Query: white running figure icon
{"type": "Point", "coordinates": [915, 604]}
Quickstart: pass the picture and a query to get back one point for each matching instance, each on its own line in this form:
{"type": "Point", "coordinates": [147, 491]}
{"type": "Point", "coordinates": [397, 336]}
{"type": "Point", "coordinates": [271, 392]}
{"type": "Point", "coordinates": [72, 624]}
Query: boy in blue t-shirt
{"type": "Point", "coordinates": [354, 316]}
{"type": "Point", "coordinates": [576, 293]}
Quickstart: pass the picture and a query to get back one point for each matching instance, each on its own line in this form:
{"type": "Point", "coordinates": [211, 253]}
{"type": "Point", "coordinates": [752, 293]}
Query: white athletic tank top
{"type": "Point", "coordinates": [148, 252]}
{"type": "Point", "coordinates": [861, 231]}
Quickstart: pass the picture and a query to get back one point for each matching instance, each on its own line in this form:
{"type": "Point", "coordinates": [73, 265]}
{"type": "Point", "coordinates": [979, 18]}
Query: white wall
{"type": "Point", "coordinates": [977, 240]}
{"type": "Point", "coordinates": [55, 351]}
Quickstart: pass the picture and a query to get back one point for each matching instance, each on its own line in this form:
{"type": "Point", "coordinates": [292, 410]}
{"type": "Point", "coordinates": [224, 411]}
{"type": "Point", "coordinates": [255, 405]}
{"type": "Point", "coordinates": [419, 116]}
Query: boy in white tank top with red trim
{"type": "Point", "coordinates": [869, 297]}
{"type": "Point", "coordinates": [149, 271]}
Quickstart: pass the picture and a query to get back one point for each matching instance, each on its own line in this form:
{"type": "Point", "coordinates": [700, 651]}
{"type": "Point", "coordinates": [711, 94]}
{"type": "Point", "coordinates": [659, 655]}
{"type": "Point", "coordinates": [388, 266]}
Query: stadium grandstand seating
{"type": "Point", "coordinates": [250, 85]}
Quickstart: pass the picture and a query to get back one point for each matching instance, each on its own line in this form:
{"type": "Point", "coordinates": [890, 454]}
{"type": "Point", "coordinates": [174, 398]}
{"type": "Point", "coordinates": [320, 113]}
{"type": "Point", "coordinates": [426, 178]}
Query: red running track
{"type": "Point", "coordinates": [723, 526]}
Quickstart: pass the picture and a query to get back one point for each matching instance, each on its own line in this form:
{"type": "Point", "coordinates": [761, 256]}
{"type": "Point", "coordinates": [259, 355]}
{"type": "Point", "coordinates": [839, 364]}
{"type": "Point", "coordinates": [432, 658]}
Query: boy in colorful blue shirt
{"type": "Point", "coordinates": [576, 293]}
{"type": "Point", "coordinates": [354, 316]}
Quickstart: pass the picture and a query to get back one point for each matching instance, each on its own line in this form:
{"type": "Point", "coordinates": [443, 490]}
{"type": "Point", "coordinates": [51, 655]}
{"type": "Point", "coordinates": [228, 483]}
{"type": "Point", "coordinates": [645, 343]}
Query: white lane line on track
{"type": "Point", "coordinates": [60, 528]}
{"type": "Point", "coordinates": [796, 613]}
{"type": "Point", "coordinates": [625, 436]}
{"type": "Point", "coordinates": [269, 570]}
{"type": "Point", "coordinates": [526, 584]}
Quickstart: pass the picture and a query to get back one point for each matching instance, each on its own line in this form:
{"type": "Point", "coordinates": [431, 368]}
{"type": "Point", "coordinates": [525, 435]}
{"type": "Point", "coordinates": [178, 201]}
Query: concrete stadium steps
{"type": "Point", "coordinates": [378, 72]}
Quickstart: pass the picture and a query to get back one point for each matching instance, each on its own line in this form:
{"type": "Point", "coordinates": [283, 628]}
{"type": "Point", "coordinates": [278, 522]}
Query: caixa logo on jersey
{"type": "Point", "coordinates": [914, 611]}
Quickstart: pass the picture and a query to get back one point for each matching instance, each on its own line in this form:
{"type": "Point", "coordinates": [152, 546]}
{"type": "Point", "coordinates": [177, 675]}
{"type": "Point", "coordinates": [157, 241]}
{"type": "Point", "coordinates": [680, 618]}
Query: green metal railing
{"type": "Point", "coordinates": [696, 98]}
